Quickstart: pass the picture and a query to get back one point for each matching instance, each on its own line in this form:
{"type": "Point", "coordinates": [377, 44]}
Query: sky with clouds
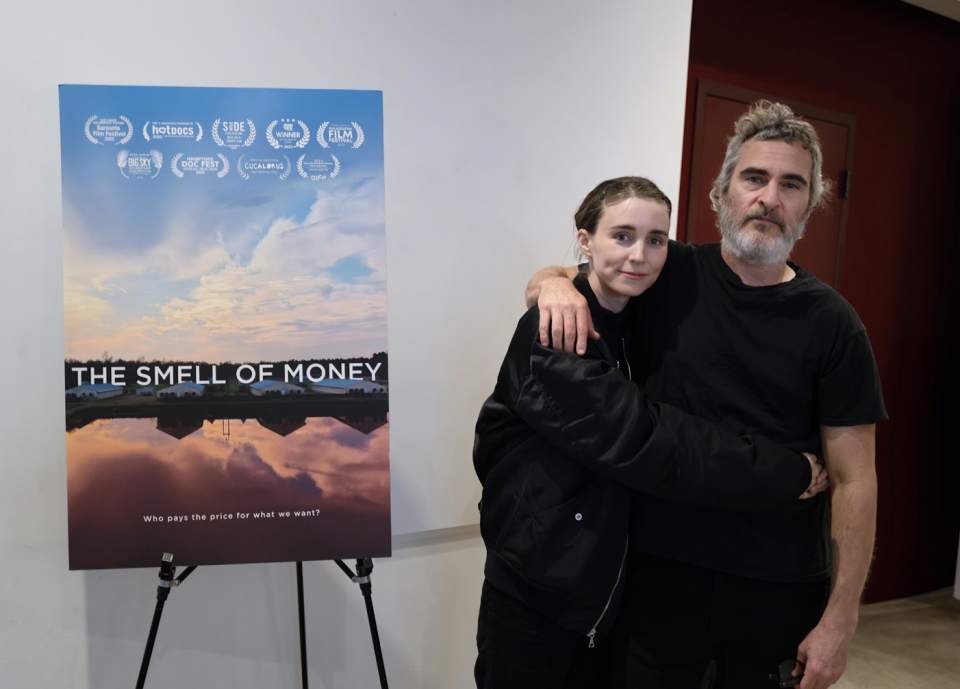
{"type": "Point", "coordinates": [202, 267]}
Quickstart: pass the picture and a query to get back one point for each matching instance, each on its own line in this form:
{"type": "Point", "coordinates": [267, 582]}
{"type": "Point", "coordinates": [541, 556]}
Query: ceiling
{"type": "Point", "coordinates": [948, 8]}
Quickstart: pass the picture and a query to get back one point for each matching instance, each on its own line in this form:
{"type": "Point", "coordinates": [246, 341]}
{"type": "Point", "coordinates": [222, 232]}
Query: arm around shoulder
{"type": "Point", "coordinates": [565, 322]}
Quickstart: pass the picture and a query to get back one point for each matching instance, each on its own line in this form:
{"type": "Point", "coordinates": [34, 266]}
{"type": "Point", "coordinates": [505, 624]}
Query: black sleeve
{"type": "Point", "coordinates": [591, 413]}
{"type": "Point", "coordinates": [848, 392]}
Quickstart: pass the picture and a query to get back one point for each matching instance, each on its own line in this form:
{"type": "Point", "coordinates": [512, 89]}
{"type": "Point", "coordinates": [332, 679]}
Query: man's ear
{"type": "Point", "coordinates": [583, 242]}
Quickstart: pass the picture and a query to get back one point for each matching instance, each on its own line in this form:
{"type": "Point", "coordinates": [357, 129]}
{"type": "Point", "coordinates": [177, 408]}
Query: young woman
{"type": "Point", "coordinates": [554, 514]}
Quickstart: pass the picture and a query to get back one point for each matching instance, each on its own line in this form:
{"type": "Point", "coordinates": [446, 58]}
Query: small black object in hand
{"type": "Point", "coordinates": [784, 676]}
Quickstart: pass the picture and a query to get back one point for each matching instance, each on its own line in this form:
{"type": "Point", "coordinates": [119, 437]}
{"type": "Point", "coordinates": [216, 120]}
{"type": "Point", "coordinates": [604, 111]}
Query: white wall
{"type": "Point", "coordinates": [499, 116]}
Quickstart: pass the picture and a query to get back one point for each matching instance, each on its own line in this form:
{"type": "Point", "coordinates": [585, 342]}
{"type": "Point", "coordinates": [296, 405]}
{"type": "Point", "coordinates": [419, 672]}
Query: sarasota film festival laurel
{"type": "Point", "coordinates": [245, 373]}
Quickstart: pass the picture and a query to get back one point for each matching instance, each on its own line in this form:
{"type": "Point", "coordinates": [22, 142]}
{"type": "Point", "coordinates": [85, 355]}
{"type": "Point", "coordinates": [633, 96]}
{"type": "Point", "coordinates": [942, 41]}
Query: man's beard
{"type": "Point", "coordinates": [751, 247]}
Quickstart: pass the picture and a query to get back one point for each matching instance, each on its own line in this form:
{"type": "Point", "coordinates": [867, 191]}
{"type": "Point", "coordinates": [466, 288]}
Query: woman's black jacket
{"type": "Point", "coordinates": [555, 508]}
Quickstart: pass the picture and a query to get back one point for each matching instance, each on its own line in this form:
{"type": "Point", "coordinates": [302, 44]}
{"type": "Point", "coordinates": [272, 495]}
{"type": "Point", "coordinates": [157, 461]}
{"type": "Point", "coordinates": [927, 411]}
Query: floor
{"type": "Point", "coordinates": [913, 643]}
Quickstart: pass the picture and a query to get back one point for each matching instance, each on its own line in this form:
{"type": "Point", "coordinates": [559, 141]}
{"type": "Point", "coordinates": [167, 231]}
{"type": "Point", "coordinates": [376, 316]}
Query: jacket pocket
{"type": "Point", "coordinates": [573, 548]}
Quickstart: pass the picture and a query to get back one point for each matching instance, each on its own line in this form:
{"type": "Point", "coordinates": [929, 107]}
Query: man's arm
{"type": "Point", "coordinates": [591, 413]}
{"type": "Point", "coordinates": [849, 453]}
{"type": "Point", "coordinates": [564, 314]}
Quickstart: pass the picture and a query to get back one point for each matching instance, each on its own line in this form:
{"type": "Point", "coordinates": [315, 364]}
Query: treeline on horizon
{"type": "Point", "coordinates": [226, 370]}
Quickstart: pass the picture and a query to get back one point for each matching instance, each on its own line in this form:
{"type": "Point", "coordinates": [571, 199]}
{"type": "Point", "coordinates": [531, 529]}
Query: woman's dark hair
{"type": "Point", "coordinates": [614, 191]}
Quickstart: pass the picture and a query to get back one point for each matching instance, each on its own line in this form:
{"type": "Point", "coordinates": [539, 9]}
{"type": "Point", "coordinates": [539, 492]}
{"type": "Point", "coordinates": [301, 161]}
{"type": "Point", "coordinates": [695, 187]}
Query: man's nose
{"type": "Point", "coordinates": [770, 195]}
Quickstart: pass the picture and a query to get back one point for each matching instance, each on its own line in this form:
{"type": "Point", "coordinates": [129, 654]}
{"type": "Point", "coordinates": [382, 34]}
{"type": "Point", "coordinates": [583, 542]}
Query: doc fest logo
{"type": "Point", "coordinates": [341, 135]}
{"type": "Point", "coordinates": [233, 133]}
{"type": "Point", "coordinates": [172, 130]}
{"type": "Point", "coordinates": [139, 165]}
{"type": "Point", "coordinates": [199, 165]}
{"type": "Point", "coordinates": [269, 167]}
{"type": "Point", "coordinates": [290, 134]}
{"type": "Point", "coordinates": [102, 130]}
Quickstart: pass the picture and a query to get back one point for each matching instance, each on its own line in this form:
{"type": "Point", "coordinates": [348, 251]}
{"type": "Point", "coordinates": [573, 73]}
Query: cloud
{"type": "Point", "coordinates": [277, 300]}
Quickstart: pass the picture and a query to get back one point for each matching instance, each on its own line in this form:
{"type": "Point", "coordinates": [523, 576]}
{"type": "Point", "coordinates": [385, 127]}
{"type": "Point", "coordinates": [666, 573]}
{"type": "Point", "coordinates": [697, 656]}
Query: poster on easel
{"type": "Point", "coordinates": [226, 381]}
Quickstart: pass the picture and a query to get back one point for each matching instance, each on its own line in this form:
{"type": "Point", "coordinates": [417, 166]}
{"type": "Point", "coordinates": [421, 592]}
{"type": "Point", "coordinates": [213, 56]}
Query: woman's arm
{"type": "Point", "coordinates": [591, 413]}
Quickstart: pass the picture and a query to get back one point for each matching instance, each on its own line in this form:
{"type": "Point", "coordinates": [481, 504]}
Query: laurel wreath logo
{"type": "Point", "coordinates": [240, 171]}
{"type": "Point", "coordinates": [146, 135]}
{"type": "Point", "coordinates": [199, 131]}
{"type": "Point", "coordinates": [86, 130]}
{"type": "Point", "coordinates": [305, 139]}
{"type": "Point", "coordinates": [336, 166]}
{"type": "Point", "coordinates": [286, 173]}
{"type": "Point", "coordinates": [126, 139]}
{"type": "Point", "coordinates": [226, 166]}
{"type": "Point", "coordinates": [320, 139]}
{"type": "Point", "coordinates": [122, 162]}
{"type": "Point", "coordinates": [253, 134]}
{"type": "Point", "coordinates": [300, 166]}
{"type": "Point", "coordinates": [157, 158]}
{"type": "Point", "coordinates": [215, 132]}
{"type": "Point", "coordinates": [173, 165]}
{"type": "Point", "coordinates": [356, 144]}
{"type": "Point", "coordinates": [270, 139]}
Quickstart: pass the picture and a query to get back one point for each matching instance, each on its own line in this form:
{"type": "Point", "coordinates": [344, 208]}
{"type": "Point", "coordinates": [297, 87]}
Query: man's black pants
{"type": "Point", "coordinates": [675, 618]}
{"type": "Point", "coordinates": [518, 648]}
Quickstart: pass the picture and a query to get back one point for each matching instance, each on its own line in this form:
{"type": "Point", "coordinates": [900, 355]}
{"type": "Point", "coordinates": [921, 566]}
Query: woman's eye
{"type": "Point", "coordinates": [656, 241]}
{"type": "Point", "coordinates": [622, 236]}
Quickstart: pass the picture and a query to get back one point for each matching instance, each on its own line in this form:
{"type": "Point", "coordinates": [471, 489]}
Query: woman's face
{"type": "Point", "coordinates": [627, 251]}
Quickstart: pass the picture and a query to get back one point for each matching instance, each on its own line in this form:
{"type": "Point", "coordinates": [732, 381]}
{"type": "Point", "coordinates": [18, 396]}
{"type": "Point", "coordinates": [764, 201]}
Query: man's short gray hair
{"type": "Point", "coordinates": [766, 121]}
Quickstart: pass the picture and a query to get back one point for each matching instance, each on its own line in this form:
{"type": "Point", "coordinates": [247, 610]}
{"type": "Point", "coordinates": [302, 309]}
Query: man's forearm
{"type": "Point", "coordinates": [849, 453]}
{"type": "Point", "coordinates": [852, 531]}
{"type": "Point", "coordinates": [533, 287]}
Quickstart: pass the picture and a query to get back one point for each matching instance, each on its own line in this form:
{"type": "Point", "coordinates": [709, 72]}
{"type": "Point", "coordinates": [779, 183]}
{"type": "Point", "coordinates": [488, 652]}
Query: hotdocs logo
{"type": "Point", "coordinates": [172, 130]}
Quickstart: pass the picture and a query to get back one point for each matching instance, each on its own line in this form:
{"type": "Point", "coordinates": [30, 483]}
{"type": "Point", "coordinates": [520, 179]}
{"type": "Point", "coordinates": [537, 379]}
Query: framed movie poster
{"type": "Point", "coordinates": [226, 380]}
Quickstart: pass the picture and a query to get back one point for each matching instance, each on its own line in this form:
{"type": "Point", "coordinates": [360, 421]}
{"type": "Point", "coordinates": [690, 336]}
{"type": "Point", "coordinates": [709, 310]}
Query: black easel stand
{"type": "Point", "coordinates": [362, 577]}
{"type": "Point", "coordinates": [167, 581]}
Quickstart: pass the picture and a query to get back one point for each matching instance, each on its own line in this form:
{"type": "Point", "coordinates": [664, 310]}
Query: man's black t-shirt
{"type": "Point", "coordinates": [777, 361]}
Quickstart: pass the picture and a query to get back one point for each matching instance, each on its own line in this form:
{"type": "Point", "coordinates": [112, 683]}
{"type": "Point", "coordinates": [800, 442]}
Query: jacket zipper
{"type": "Point", "coordinates": [593, 632]}
{"type": "Point", "coordinates": [623, 353]}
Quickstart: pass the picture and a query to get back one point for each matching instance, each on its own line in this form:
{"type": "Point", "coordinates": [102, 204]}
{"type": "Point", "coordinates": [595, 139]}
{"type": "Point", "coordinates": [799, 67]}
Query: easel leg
{"type": "Point", "coordinates": [303, 628]}
{"type": "Point", "coordinates": [167, 581]}
{"type": "Point", "coordinates": [362, 577]}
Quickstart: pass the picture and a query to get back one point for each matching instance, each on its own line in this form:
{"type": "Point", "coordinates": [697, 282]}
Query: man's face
{"type": "Point", "coordinates": [763, 213]}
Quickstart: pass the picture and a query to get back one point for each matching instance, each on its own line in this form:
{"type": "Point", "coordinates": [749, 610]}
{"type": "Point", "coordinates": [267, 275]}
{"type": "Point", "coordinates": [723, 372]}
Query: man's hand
{"type": "Point", "coordinates": [824, 652]}
{"type": "Point", "coordinates": [819, 479]}
{"type": "Point", "coordinates": [564, 316]}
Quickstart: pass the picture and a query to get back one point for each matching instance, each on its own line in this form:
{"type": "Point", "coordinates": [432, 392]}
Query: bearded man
{"type": "Point", "coordinates": [738, 335]}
